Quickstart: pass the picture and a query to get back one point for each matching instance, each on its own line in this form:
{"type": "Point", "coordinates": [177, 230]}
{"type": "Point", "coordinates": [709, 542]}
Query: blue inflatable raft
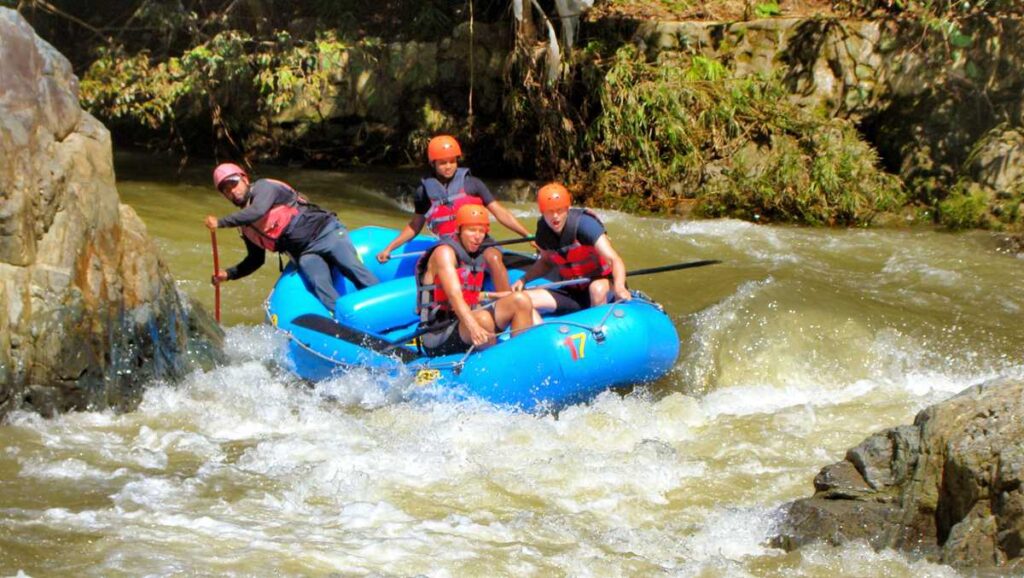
{"type": "Point", "coordinates": [564, 360]}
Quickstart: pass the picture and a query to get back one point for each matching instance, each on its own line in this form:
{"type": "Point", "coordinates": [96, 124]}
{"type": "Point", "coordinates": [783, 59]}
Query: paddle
{"type": "Point", "coordinates": [633, 273]}
{"type": "Point", "coordinates": [328, 326]}
{"type": "Point", "coordinates": [216, 269]}
{"type": "Point", "coordinates": [554, 284]}
{"type": "Point", "coordinates": [432, 328]}
{"type": "Point", "coordinates": [675, 267]}
{"type": "Point", "coordinates": [483, 246]}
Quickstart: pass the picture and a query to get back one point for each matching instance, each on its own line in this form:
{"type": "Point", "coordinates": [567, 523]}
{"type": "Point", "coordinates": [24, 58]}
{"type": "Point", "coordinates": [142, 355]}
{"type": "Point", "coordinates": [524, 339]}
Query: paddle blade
{"type": "Point", "coordinates": [332, 328]}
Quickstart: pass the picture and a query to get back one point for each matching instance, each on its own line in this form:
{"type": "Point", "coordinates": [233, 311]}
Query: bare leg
{"type": "Point", "coordinates": [542, 300]}
{"type": "Point", "coordinates": [599, 292]}
{"type": "Point", "coordinates": [486, 320]}
{"type": "Point", "coordinates": [517, 309]}
{"type": "Point", "coordinates": [499, 274]}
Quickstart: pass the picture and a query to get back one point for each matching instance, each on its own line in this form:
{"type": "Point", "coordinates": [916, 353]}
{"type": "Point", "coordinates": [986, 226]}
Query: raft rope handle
{"type": "Point", "coordinates": [454, 365]}
{"type": "Point", "coordinates": [596, 330]}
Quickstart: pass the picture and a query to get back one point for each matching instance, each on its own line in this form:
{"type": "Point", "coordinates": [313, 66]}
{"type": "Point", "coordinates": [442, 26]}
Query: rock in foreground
{"type": "Point", "coordinates": [947, 488]}
{"type": "Point", "coordinates": [88, 310]}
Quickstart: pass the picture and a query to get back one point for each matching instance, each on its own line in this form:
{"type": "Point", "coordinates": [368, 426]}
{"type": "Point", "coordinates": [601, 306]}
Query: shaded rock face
{"type": "Point", "coordinates": [924, 102]}
{"type": "Point", "coordinates": [997, 161]}
{"type": "Point", "coordinates": [380, 95]}
{"type": "Point", "coordinates": [89, 311]}
{"type": "Point", "coordinates": [948, 488]}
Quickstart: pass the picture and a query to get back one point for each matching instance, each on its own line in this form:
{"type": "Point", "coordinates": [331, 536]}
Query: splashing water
{"type": "Point", "coordinates": [795, 348]}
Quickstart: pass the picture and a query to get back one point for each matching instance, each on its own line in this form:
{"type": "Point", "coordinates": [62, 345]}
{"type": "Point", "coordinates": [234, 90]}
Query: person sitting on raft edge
{"type": "Point", "coordinates": [449, 281]}
{"type": "Point", "coordinates": [574, 241]}
{"type": "Point", "coordinates": [439, 197]}
{"type": "Point", "coordinates": [275, 217]}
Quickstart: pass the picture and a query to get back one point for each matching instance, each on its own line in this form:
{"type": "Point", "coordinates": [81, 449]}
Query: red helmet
{"type": "Point", "coordinates": [443, 147]}
{"type": "Point", "coordinates": [553, 196]}
{"type": "Point", "coordinates": [225, 171]}
{"type": "Point", "coordinates": [472, 215]}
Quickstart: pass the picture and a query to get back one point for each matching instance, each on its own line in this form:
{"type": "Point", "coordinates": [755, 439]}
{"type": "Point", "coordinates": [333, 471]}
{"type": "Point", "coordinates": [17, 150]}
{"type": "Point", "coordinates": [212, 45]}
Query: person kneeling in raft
{"type": "Point", "coordinates": [574, 241]}
{"type": "Point", "coordinates": [450, 277]}
{"type": "Point", "coordinates": [275, 217]}
{"type": "Point", "coordinates": [439, 198]}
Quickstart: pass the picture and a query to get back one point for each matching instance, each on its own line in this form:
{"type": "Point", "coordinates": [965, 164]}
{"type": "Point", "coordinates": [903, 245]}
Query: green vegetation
{"type": "Point", "coordinates": [232, 79]}
{"type": "Point", "coordinates": [201, 76]}
{"type": "Point", "coordinates": [943, 8]}
{"type": "Point", "coordinates": [964, 209]}
{"type": "Point", "coordinates": [683, 133]}
{"type": "Point", "coordinates": [767, 10]}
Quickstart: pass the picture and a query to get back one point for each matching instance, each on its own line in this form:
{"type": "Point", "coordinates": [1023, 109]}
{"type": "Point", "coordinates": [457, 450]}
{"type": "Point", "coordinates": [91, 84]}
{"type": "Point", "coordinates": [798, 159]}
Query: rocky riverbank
{"type": "Point", "coordinates": [89, 310]}
{"type": "Point", "coordinates": [948, 487]}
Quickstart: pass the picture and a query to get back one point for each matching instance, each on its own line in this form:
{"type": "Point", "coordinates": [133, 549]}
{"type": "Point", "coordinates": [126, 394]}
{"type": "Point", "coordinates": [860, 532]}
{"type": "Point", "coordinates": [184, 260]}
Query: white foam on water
{"type": "Point", "coordinates": [912, 268]}
{"type": "Point", "coordinates": [151, 494]}
{"type": "Point", "coordinates": [84, 521]}
{"type": "Point", "coordinates": [714, 228]}
{"type": "Point", "coordinates": [68, 469]}
{"type": "Point", "coordinates": [532, 214]}
{"type": "Point", "coordinates": [752, 399]}
{"type": "Point", "coordinates": [731, 534]}
{"type": "Point", "coordinates": [768, 244]}
{"type": "Point", "coordinates": [258, 343]}
{"type": "Point", "coordinates": [698, 364]}
{"type": "Point", "coordinates": [362, 515]}
{"type": "Point", "coordinates": [359, 389]}
{"type": "Point", "coordinates": [859, 559]}
{"type": "Point", "coordinates": [525, 214]}
{"type": "Point", "coordinates": [244, 467]}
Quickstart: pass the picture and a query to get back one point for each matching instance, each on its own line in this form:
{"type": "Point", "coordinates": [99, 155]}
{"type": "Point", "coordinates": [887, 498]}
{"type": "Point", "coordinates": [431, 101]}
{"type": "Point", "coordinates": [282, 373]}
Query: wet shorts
{"type": "Point", "coordinates": [568, 300]}
{"type": "Point", "coordinates": [445, 341]}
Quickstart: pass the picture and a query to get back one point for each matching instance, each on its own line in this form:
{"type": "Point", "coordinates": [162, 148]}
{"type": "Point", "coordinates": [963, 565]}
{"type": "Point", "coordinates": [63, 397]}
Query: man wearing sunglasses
{"type": "Point", "coordinates": [273, 216]}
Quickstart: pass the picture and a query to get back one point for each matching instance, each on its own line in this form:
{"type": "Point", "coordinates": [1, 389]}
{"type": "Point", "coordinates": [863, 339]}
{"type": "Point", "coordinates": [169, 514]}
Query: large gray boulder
{"type": "Point", "coordinates": [89, 312]}
{"type": "Point", "coordinates": [997, 162]}
{"type": "Point", "coordinates": [947, 488]}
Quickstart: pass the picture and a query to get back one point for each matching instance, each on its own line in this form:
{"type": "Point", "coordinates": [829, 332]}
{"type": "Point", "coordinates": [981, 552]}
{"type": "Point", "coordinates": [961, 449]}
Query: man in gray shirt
{"type": "Point", "coordinates": [274, 217]}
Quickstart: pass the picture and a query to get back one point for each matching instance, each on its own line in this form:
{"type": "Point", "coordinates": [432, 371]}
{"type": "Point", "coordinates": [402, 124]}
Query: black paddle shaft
{"type": "Point", "coordinates": [328, 326]}
{"type": "Point", "coordinates": [675, 267]}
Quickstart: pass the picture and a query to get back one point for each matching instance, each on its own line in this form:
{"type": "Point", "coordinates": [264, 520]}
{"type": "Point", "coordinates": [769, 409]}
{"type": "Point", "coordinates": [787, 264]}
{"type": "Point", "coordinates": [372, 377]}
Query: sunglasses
{"type": "Point", "coordinates": [228, 184]}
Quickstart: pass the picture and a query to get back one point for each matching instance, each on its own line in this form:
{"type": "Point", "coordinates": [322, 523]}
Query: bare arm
{"type": "Point", "coordinates": [605, 249]}
{"type": "Point", "coordinates": [443, 263]}
{"type": "Point", "coordinates": [539, 268]}
{"type": "Point", "coordinates": [410, 230]}
{"type": "Point", "coordinates": [508, 219]}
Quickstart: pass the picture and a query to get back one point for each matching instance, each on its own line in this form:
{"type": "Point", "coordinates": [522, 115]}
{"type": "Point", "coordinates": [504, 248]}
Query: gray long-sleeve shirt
{"type": "Point", "coordinates": [303, 229]}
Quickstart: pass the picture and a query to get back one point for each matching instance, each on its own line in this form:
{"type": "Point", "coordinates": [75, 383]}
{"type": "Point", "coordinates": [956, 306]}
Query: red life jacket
{"type": "Point", "coordinates": [445, 202]}
{"type": "Point", "coordinates": [267, 230]}
{"type": "Point", "coordinates": [574, 259]}
{"type": "Point", "coordinates": [431, 298]}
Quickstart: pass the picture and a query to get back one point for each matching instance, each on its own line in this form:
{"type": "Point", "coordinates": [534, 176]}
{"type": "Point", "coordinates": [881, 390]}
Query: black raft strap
{"type": "Point", "coordinates": [332, 328]}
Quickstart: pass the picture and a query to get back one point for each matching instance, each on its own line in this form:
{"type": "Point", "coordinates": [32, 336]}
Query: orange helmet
{"type": "Point", "coordinates": [472, 215]}
{"type": "Point", "coordinates": [553, 196]}
{"type": "Point", "coordinates": [443, 147]}
{"type": "Point", "coordinates": [225, 171]}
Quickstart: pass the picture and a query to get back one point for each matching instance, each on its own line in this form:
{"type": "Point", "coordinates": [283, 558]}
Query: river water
{"type": "Point", "coordinates": [794, 349]}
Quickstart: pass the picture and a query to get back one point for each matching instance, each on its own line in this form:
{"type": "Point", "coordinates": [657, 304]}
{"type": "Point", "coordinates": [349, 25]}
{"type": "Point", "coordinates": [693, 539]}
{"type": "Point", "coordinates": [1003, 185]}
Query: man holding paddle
{"type": "Point", "coordinates": [274, 217]}
{"type": "Point", "coordinates": [450, 278]}
{"type": "Point", "coordinates": [574, 241]}
{"type": "Point", "coordinates": [442, 194]}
